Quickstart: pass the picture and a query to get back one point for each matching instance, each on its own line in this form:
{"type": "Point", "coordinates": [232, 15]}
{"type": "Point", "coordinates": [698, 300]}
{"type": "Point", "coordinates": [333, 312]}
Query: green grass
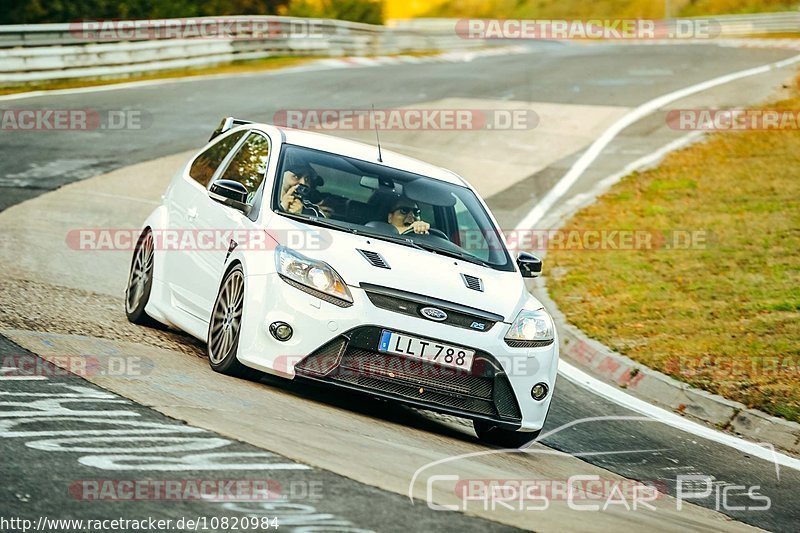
{"type": "Point", "coordinates": [724, 316]}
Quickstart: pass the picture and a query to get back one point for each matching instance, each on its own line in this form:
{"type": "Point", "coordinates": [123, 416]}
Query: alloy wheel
{"type": "Point", "coordinates": [141, 273]}
{"type": "Point", "coordinates": [226, 318]}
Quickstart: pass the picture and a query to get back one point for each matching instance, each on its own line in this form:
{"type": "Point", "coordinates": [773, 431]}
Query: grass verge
{"type": "Point", "coordinates": [724, 314]}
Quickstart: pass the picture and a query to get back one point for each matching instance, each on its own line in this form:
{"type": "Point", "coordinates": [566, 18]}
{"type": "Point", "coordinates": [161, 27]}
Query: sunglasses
{"type": "Point", "coordinates": [408, 210]}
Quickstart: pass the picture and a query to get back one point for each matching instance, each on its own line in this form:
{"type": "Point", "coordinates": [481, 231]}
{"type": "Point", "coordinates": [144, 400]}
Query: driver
{"type": "Point", "coordinates": [311, 203]}
{"type": "Point", "coordinates": [404, 216]}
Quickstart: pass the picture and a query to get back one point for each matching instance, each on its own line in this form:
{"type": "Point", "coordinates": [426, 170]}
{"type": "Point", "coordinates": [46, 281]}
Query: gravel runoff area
{"type": "Point", "coordinates": [42, 307]}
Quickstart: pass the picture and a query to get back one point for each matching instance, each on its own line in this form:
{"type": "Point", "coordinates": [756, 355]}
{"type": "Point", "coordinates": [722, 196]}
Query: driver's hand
{"type": "Point", "coordinates": [420, 226]}
{"type": "Point", "coordinates": [326, 210]}
{"type": "Point", "coordinates": [290, 203]}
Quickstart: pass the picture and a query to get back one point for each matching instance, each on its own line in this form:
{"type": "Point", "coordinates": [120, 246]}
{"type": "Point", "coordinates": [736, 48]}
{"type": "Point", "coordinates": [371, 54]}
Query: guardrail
{"type": "Point", "coordinates": [728, 25]}
{"type": "Point", "coordinates": [40, 52]}
{"type": "Point", "coordinates": [765, 23]}
{"type": "Point", "coordinates": [114, 48]}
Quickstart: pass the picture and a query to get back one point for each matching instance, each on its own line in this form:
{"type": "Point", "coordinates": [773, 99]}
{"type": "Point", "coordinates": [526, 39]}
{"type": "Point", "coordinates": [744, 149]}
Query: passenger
{"type": "Point", "coordinates": [404, 216]}
{"type": "Point", "coordinates": [308, 200]}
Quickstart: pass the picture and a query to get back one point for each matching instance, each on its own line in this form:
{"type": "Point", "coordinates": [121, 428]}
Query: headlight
{"type": "Point", "coordinates": [531, 326]}
{"type": "Point", "coordinates": [315, 275]}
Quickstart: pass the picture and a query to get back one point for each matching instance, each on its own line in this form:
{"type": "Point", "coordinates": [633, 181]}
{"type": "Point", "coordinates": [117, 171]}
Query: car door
{"type": "Point", "coordinates": [183, 204]}
{"type": "Point", "coordinates": [230, 226]}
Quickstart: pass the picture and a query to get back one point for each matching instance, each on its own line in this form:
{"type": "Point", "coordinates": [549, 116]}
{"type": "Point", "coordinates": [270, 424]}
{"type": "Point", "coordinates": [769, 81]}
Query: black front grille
{"type": "Point", "coordinates": [527, 344]}
{"type": "Point", "coordinates": [353, 360]}
{"type": "Point", "coordinates": [413, 372]}
{"type": "Point", "coordinates": [410, 304]}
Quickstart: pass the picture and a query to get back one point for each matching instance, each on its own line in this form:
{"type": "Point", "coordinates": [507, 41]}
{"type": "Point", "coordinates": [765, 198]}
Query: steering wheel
{"type": "Point", "coordinates": [307, 204]}
{"type": "Point", "coordinates": [432, 231]}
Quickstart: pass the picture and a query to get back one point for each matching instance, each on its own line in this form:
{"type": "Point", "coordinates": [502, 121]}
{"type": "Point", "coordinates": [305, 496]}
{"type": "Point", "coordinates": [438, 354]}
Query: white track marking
{"type": "Point", "coordinates": [5, 370]}
{"type": "Point", "coordinates": [601, 388]}
{"type": "Point", "coordinates": [588, 157]}
{"type": "Point", "coordinates": [577, 201]}
{"type": "Point", "coordinates": [612, 393]}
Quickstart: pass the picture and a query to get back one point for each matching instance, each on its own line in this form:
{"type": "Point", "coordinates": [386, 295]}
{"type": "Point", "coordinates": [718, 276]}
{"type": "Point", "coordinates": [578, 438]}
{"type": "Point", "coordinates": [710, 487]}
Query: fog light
{"type": "Point", "coordinates": [539, 391]}
{"type": "Point", "coordinates": [281, 331]}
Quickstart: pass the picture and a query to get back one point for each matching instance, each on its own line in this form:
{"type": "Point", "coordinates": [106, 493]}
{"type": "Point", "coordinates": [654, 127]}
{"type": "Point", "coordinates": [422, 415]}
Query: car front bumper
{"type": "Point", "coordinates": [338, 345]}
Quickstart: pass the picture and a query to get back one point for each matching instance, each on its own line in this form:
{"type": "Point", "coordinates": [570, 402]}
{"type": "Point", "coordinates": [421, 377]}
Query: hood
{"type": "Point", "coordinates": [411, 270]}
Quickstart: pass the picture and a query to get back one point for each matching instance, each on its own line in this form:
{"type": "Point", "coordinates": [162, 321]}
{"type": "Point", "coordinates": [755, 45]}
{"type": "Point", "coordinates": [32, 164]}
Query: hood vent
{"type": "Point", "coordinates": [374, 258]}
{"type": "Point", "coordinates": [476, 284]}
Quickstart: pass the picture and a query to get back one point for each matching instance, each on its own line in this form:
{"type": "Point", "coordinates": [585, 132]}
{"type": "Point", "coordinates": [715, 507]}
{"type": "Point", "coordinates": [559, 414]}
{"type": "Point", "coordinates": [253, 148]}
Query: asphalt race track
{"type": "Point", "coordinates": [360, 456]}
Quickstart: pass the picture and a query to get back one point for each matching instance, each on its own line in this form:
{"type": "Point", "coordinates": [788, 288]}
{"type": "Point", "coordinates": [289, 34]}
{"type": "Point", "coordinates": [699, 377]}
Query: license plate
{"type": "Point", "coordinates": [444, 354]}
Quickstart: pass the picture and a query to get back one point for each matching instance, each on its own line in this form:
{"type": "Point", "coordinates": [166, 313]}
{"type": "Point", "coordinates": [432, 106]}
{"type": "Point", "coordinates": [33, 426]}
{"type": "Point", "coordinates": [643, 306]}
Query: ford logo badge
{"type": "Point", "coordinates": [433, 313]}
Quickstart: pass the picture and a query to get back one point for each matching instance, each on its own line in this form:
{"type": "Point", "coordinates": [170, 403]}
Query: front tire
{"type": "Point", "coordinates": [503, 437]}
{"type": "Point", "coordinates": [225, 326]}
{"type": "Point", "coordinates": [140, 281]}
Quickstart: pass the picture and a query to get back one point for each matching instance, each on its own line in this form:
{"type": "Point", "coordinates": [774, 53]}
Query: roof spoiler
{"type": "Point", "coordinates": [226, 124]}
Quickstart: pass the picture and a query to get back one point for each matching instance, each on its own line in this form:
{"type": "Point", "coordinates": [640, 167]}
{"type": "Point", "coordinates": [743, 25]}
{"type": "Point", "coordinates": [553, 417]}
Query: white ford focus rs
{"type": "Point", "coordinates": [318, 258]}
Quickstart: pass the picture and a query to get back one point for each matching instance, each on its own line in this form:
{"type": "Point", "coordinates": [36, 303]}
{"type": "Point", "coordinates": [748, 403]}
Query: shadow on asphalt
{"type": "Point", "coordinates": [367, 405]}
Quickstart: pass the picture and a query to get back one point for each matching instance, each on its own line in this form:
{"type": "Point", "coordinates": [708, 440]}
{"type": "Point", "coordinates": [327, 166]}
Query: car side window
{"type": "Point", "coordinates": [472, 237]}
{"type": "Point", "coordinates": [249, 165]}
{"type": "Point", "coordinates": [204, 166]}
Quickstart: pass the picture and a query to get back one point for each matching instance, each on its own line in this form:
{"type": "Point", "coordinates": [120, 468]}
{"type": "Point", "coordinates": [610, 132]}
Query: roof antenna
{"type": "Point", "coordinates": [378, 137]}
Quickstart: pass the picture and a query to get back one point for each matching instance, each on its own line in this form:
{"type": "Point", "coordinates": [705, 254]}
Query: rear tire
{"type": "Point", "coordinates": [504, 438]}
{"type": "Point", "coordinates": [225, 326]}
{"type": "Point", "coordinates": [140, 281]}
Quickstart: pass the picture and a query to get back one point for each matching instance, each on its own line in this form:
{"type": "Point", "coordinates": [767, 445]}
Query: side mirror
{"type": "Point", "coordinates": [230, 193]}
{"type": "Point", "coordinates": [529, 265]}
{"type": "Point", "coordinates": [226, 124]}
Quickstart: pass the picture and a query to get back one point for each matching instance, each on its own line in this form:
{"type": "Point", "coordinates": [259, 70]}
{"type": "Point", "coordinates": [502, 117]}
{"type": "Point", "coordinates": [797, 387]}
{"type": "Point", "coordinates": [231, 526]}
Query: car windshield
{"type": "Point", "coordinates": [371, 199]}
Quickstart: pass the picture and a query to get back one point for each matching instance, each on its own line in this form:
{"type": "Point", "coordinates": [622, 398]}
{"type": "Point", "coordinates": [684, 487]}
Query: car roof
{"type": "Point", "coordinates": [362, 151]}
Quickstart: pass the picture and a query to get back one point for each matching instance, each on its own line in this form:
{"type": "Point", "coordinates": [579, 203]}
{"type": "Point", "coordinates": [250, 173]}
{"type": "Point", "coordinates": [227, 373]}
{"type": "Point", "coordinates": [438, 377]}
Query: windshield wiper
{"type": "Point", "coordinates": [399, 240]}
{"type": "Point", "coordinates": [428, 248]}
{"type": "Point", "coordinates": [391, 238]}
{"type": "Point", "coordinates": [333, 225]}
{"type": "Point", "coordinates": [318, 221]}
{"type": "Point", "coordinates": [453, 253]}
